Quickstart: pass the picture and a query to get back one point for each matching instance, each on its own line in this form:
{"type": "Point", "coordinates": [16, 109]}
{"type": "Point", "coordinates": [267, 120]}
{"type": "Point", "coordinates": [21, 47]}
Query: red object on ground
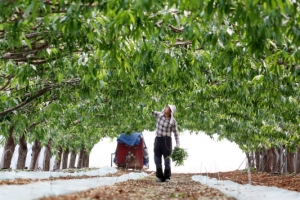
{"type": "Point", "coordinates": [130, 157]}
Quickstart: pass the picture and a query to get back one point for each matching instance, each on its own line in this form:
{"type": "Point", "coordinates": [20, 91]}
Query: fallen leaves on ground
{"type": "Point", "coordinates": [181, 186]}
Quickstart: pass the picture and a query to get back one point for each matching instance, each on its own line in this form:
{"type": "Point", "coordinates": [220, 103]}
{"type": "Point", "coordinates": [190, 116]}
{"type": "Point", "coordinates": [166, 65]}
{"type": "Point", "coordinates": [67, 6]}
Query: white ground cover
{"type": "Point", "coordinates": [42, 175]}
{"type": "Point", "coordinates": [248, 192]}
{"type": "Point", "coordinates": [59, 187]}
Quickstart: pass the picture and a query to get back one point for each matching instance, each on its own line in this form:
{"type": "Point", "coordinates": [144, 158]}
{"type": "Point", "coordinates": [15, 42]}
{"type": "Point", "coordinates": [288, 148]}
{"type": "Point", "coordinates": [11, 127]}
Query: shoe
{"type": "Point", "coordinates": [159, 180]}
{"type": "Point", "coordinates": [167, 180]}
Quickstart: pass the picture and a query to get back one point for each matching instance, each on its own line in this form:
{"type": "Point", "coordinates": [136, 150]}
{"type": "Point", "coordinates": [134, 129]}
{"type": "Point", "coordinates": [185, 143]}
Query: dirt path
{"type": "Point", "coordinates": [181, 186]}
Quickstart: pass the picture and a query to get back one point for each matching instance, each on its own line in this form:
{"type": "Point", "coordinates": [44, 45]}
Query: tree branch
{"type": "Point", "coordinates": [5, 86]}
{"type": "Point", "coordinates": [75, 122]}
{"type": "Point", "coordinates": [14, 54]}
{"type": "Point", "coordinates": [176, 30]}
{"type": "Point", "coordinates": [34, 124]}
{"type": "Point", "coordinates": [27, 101]}
{"type": "Point", "coordinates": [179, 43]}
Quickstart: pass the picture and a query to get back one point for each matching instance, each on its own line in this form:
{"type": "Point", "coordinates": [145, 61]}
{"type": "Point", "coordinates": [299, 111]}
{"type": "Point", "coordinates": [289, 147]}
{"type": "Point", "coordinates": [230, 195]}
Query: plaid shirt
{"type": "Point", "coordinates": [164, 128]}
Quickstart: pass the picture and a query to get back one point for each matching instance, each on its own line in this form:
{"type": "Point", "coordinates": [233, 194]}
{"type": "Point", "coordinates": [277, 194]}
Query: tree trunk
{"type": "Point", "coordinates": [277, 160]}
{"type": "Point", "coordinates": [250, 160]}
{"type": "Point", "coordinates": [72, 159]}
{"type": "Point", "coordinates": [80, 158]}
{"type": "Point", "coordinates": [47, 156]}
{"type": "Point", "coordinates": [85, 159]}
{"type": "Point", "coordinates": [8, 151]}
{"type": "Point", "coordinates": [272, 159]}
{"type": "Point", "coordinates": [290, 162]}
{"type": "Point", "coordinates": [261, 161]}
{"type": "Point", "coordinates": [65, 159]}
{"type": "Point", "coordinates": [282, 159]}
{"type": "Point", "coordinates": [87, 163]}
{"type": "Point", "coordinates": [298, 161]}
{"type": "Point", "coordinates": [257, 160]}
{"type": "Point", "coordinates": [22, 152]}
{"type": "Point", "coordinates": [266, 161]}
{"type": "Point", "coordinates": [36, 166]}
{"type": "Point", "coordinates": [36, 149]}
{"type": "Point", "coordinates": [57, 159]}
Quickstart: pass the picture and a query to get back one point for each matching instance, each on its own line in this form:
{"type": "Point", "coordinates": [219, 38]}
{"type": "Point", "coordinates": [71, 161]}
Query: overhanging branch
{"type": "Point", "coordinates": [27, 101]}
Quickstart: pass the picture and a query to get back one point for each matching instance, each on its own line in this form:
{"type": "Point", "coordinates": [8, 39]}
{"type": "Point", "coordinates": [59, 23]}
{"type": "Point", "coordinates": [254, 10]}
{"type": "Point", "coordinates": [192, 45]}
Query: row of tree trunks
{"type": "Point", "coordinates": [275, 160]}
{"type": "Point", "coordinates": [83, 159]}
{"type": "Point", "coordinates": [61, 160]}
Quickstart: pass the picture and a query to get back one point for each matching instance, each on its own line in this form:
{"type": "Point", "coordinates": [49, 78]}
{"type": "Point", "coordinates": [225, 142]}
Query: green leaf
{"type": "Point", "coordinates": [59, 78]}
